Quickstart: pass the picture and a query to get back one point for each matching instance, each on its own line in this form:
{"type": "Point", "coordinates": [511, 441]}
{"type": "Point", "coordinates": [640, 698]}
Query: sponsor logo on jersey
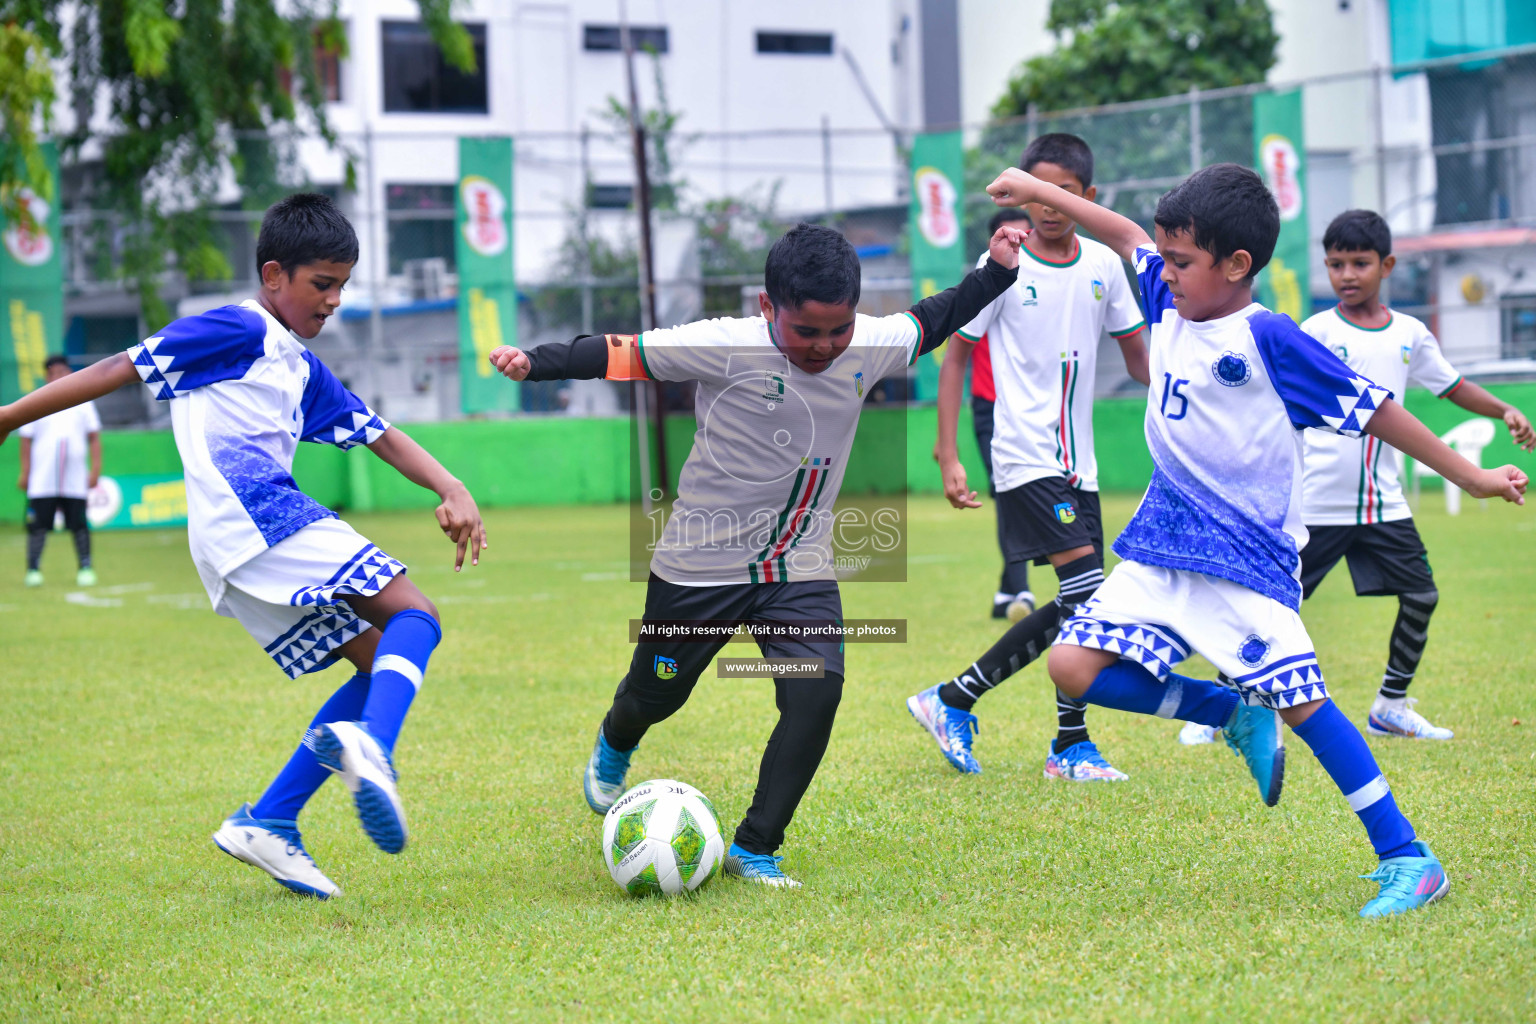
{"type": "Point", "coordinates": [1253, 651]}
{"type": "Point", "coordinates": [1407, 351]}
{"type": "Point", "coordinates": [1342, 351]}
{"type": "Point", "coordinates": [1031, 297]}
{"type": "Point", "coordinates": [1232, 369]}
{"type": "Point", "coordinates": [858, 384]}
{"type": "Point", "coordinates": [666, 667]}
{"type": "Point", "coordinates": [1065, 513]}
{"type": "Point", "coordinates": [773, 387]}
{"type": "Point", "coordinates": [1098, 290]}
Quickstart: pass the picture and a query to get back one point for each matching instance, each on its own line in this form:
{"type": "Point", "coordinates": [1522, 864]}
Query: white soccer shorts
{"type": "Point", "coordinates": [1157, 617]}
{"type": "Point", "coordinates": [288, 597]}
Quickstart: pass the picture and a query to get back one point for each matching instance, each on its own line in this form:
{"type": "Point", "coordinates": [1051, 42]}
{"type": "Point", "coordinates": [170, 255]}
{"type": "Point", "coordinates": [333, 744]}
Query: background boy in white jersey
{"type": "Point", "coordinates": [1211, 556]}
{"type": "Point", "coordinates": [60, 463]}
{"type": "Point", "coordinates": [1044, 341]}
{"type": "Point", "coordinates": [243, 392]}
{"type": "Point", "coordinates": [1013, 599]}
{"type": "Point", "coordinates": [749, 540]}
{"type": "Point", "coordinates": [1351, 499]}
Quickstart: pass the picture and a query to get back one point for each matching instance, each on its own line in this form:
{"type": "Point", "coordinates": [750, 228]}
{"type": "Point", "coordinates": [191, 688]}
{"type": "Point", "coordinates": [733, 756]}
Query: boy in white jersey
{"type": "Point", "coordinates": [1351, 499]}
{"type": "Point", "coordinates": [749, 540]}
{"type": "Point", "coordinates": [312, 591]}
{"type": "Point", "coordinates": [60, 463]}
{"type": "Point", "coordinates": [1043, 336]}
{"type": "Point", "coordinates": [1211, 556]}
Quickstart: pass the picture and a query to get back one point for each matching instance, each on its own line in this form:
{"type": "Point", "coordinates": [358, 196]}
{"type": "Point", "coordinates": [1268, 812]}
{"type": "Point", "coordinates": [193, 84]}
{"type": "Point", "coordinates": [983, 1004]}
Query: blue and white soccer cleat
{"type": "Point", "coordinates": [347, 749]}
{"type": "Point", "coordinates": [762, 868]}
{"type": "Point", "coordinates": [952, 729]}
{"type": "Point", "coordinates": [604, 781]}
{"type": "Point", "coordinates": [1407, 883]}
{"type": "Point", "coordinates": [1397, 718]}
{"type": "Point", "coordinates": [1081, 762]}
{"type": "Point", "coordinates": [275, 847]}
{"type": "Point", "coordinates": [1253, 733]}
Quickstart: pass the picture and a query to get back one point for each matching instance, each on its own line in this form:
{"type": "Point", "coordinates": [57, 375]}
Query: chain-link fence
{"type": "Point", "coordinates": [1445, 150]}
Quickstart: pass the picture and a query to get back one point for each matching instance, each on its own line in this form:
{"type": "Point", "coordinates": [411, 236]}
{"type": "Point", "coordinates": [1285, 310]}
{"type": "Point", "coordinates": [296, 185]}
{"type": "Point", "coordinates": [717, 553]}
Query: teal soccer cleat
{"type": "Point", "coordinates": [1254, 734]}
{"type": "Point", "coordinates": [762, 868]}
{"type": "Point", "coordinates": [603, 783]}
{"type": "Point", "coordinates": [952, 729]}
{"type": "Point", "coordinates": [1407, 883]}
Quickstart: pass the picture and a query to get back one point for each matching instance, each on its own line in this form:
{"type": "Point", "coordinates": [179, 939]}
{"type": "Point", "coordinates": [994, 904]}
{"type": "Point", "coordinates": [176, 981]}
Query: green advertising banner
{"type": "Point", "coordinates": [1279, 146]}
{"type": "Point", "coordinates": [138, 501]}
{"type": "Point", "coordinates": [31, 289]}
{"type": "Point", "coordinates": [939, 258]}
{"type": "Point", "coordinates": [487, 281]}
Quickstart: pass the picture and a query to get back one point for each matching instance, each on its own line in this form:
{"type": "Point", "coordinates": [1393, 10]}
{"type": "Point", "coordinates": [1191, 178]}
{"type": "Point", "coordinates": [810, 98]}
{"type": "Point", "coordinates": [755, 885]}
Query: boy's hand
{"type": "Point", "coordinates": [510, 362]}
{"type": "Point", "coordinates": [955, 489]}
{"type": "Point", "coordinates": [1004, 246]}
{"type": "Point", "coordinates": [1519, 429]}
{"type": "Point", "coordinates": [1507, 482]}
{"type": "Point", "coordinates": [459, 517]}
{"type": "Point", "coordinates": [1013, 188]}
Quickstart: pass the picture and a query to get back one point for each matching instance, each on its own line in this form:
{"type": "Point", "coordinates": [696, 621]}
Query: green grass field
{"type": "Point", "coordinates": [137, 719]}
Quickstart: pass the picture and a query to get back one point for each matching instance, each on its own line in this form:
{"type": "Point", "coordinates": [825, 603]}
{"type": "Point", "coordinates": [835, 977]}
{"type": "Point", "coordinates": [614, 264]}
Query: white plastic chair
{"type": "Point", "coordinates": [1468, 439]}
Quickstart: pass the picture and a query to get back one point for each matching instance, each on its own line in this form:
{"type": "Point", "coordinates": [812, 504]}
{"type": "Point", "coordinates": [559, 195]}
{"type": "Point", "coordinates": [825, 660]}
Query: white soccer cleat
{"type": "Point", "coordinates": [1193, 734]}
{"type": "Point", "coordinates": [274, 847]}
{"type": "Point", "coordinates": [347, 749]}
{"type": "Point", "coordinates": [1397, 718]}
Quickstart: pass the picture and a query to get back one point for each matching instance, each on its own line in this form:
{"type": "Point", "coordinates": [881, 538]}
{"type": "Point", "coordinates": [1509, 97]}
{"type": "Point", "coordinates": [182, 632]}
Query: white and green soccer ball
{"type": "Point", "coordinates": [662, 837]}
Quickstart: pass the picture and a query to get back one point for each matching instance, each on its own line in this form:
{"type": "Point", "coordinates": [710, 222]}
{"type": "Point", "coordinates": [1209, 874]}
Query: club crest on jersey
{"type": "Point", "coordinates": [858, 384]}
{"type": "Point", "coordinates": [1407, 351]}
{"type": "Point", "coordinates": [1342, 352]}
{"type": "Point", "coordinates": [1253, 651]}
{"type": "Point", "coordinates": [1098, 290]}
{"type": "Point", "coordinates": [666, 667]}
{"type": "Point", "coordinates": [1065, 513]}
{"type": "Point", "coordinates": [773, 387]}
{"type": "Point", "coordinates": [1031, 297]}
{"type": "Point", "coordinates": [1232, 369]}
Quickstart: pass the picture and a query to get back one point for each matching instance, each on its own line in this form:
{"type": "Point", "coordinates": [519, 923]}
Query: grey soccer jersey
{"type": "Point", "coordinates": [756, 496]}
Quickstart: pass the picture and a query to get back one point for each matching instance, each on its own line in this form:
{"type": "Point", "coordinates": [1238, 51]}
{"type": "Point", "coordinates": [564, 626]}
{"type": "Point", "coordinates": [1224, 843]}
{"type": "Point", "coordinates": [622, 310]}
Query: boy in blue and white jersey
{"type": "Point", "coordinates": [243, 391]}
{"type": "Point", "coordinates": [1211, 557]}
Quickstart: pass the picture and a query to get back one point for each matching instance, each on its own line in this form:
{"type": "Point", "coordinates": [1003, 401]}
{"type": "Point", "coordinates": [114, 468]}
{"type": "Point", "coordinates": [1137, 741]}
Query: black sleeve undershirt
{"type": "Point", "coordinates": [945, 313]}
{"type": "Point", "coordinates": [584, 357]}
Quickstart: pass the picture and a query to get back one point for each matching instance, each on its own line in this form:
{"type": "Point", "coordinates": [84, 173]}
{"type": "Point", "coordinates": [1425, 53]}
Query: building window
{"type": "Point", "coordinates": [419, 80]}
{"type": "Point", "coordinates": [611, 197]}
{"type": "Point", "coordinates": [1519, 327]}
{"type": "Point", "coordinates": [814, 44]}
{"type": "Point", "coordinates": [327, 65]}
{"type": "Point", "coordinates": [609, 38]}
{"type": "Point", "coordinates": [420, 225]}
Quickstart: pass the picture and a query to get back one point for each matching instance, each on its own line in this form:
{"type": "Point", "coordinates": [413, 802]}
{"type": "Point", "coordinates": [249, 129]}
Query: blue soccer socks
{"type": "Point", "coordinates": [398, 665]}
{"type": "Point", "coordinates": [302, 775]}
{"type": "Point", "coordinates": [1127, 686]}
{"type": "Point", "coordinates": [1342, 751]}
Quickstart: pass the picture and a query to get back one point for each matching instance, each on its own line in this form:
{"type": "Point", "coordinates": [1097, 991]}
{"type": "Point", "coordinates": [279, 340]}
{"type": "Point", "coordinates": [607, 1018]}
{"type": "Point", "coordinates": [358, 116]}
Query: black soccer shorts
{"type": "Point", "coordinates": [1384, 558]}
{"type": "Point", "coordinates": [1048, 516]}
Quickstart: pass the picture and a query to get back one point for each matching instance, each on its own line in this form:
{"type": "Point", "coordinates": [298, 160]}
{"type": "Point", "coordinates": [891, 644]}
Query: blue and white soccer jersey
{"type": "Point", "coordinates": [1229, 400]}
{"type": "Point", "coordinates": [243, 392]}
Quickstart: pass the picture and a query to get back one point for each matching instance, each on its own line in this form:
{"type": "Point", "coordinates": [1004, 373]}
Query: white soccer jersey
{"type": "Point", "coordinates": [1043, 335]}
{"type": "Point", "coordinates": [60, 467]}
{"type": "Point", "coordinates": [1354, 480]}
{"type": "Point", "coordinates": [1228, 403]}
{"type": "Point", "coordinates": [243, 393]}
{"type": "Point", "coordinates": [756, 496]}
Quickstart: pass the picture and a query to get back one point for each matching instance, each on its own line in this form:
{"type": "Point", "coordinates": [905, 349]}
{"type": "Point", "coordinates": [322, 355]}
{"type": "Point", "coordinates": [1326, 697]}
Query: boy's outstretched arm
{"type": "Point", "coordinates": [584, 357]}
{"type": "Point", "coordinates": [98, 379]}
{"type": "Point", "coordinates": [1403, 431]}
{"type": "Point", "coordinates": [941, 315]}
{"type": "Point", "coordinates": [458, 514]}
{"type": "Point", "coordinates": [1015, 188]}
{"type": "Point", "coordinates": [946, 449]}
{"type": "Point", "coordinates": [1485, 403]}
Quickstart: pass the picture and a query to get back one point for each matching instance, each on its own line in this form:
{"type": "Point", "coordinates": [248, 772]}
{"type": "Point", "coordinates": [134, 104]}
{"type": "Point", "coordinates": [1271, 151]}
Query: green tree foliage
{"type": "Point", "coordinates": [170, 99]}
{"type": "Point", "coordinates": [1124, 52]}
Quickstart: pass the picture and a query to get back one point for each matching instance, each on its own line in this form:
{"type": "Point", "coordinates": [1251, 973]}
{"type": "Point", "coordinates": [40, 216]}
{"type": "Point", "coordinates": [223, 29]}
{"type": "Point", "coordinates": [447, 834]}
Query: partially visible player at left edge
{"type": "Point", "coordinates": [243, 391]}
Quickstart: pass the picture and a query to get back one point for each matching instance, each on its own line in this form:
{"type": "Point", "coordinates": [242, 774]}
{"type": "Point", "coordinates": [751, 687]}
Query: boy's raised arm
{"type": "Point", "coordinates": [584, 357]}
{"type": "Point", "coordinates": [943, 314]}
{"type": "Point", "coordinates": [98, 379]}
{"type": "Point", "coordinates": [1403, 431]}
{"type": "Point", "coordinates": [1015, 188]}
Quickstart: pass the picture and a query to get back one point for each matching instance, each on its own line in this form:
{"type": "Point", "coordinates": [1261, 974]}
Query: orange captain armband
{"type": "Point", "coordinates": [624, 362]}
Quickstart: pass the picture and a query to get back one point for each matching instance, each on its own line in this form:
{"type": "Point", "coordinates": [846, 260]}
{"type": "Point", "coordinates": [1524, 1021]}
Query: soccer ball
{"type": "Point", "coordinates": [662, 837]}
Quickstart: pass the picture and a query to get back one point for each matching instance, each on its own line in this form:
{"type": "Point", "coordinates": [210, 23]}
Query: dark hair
{"type": "Point", "coordinates": [1225, 207]}
{"type": "Point", "coordinates": [1065, 151]}
{"type": "Point", "coordinates": [1007, 215]}
{"type": "Point", "coordinates": [57, 359]}
{"type": "Point", "coordinates": [1359, 231]}
{"type": "Point", "coordinates": [304, 228]}
{"type": "Point", "coordinates": [811, 264]}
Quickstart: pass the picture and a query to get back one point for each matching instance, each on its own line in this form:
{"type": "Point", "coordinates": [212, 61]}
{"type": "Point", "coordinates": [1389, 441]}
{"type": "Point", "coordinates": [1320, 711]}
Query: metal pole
{"type": "Point", "coordinates": [379, 261]}
{"type": "Point", "coordinates": [586, 243]}
{"type": "Point", "coordinates": [1196, 140]}
{"type": "Point", "coordinates": [826, 161]}
{"type": "Point", "coordinates": [1380, 139]}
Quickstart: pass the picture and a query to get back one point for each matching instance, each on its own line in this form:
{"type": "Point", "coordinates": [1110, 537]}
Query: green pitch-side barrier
{"type": "Point", "coordinates": [565, 460]}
